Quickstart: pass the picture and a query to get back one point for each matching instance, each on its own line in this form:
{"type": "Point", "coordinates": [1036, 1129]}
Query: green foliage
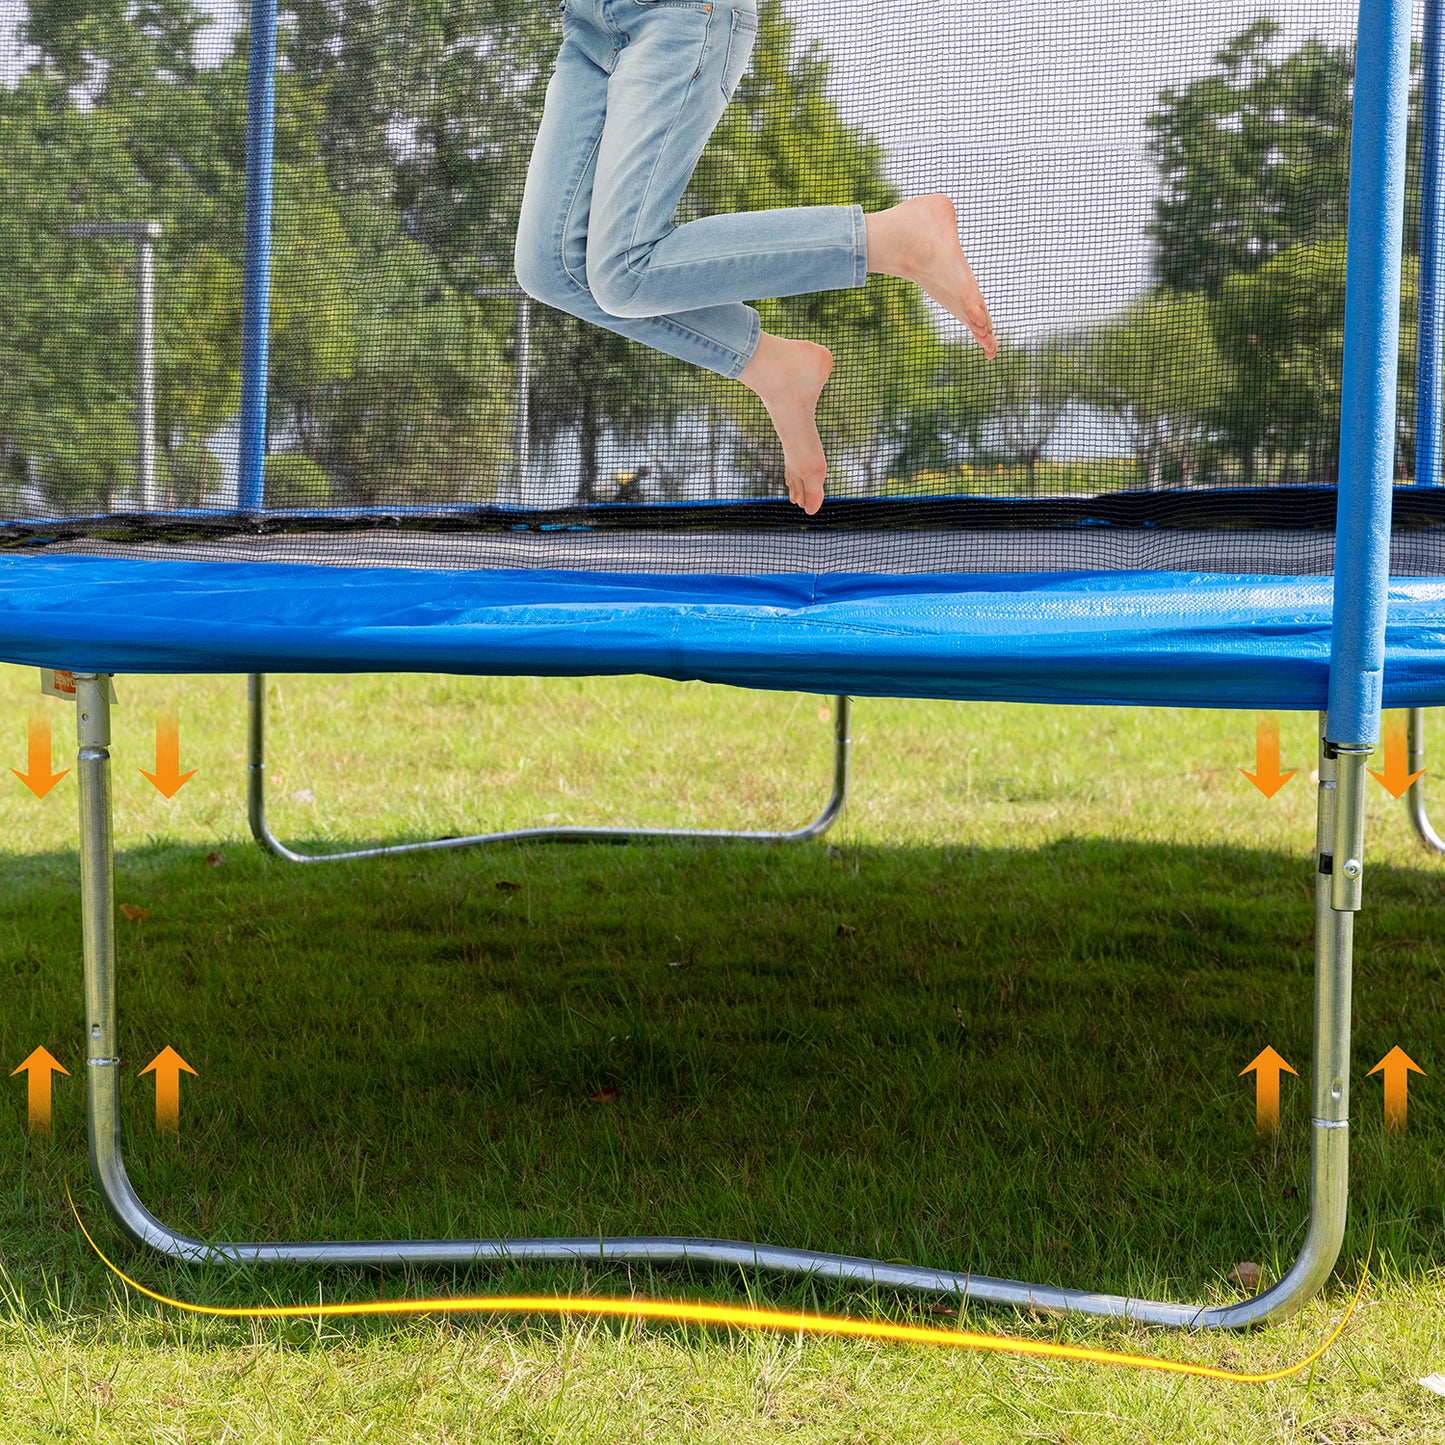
{"type": "Point", "coordinates": [293, 480]}
{"type": "Point", "coordinates": [1027, 388]}
{"type": "Point", "coordinates": [1254, 159]}
{"type": "Point", "coordinates": [1159, 372]}
{"type": "Point", "coordinates": [66, 338]}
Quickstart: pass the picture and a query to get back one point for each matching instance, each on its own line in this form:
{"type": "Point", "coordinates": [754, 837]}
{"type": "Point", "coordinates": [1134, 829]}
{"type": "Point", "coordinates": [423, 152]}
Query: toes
{"type": "Point", "coordinates": [812, 490]}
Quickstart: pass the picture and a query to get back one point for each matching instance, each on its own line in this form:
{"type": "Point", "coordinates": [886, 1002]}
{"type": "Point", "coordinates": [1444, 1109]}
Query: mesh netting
{"type": "Point", "coordinates": [1153, 198]}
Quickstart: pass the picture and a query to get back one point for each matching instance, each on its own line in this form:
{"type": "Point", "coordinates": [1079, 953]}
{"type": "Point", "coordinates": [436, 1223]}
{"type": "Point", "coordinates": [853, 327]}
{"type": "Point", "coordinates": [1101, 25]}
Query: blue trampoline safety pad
{"type": "Point", "coordinates": [1148, 638]}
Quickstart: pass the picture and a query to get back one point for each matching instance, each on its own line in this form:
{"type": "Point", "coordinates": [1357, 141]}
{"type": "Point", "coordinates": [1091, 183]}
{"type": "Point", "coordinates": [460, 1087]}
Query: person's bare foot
{"type": "Point", "coordinates": [918, 240]}
{"type": "Point", "coordinates": [788, 377]}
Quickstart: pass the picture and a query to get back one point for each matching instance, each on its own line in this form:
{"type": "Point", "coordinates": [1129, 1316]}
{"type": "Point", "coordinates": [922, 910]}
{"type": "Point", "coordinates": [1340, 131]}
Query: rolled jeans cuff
{"type": "Point", "coordinates": [860, 246]}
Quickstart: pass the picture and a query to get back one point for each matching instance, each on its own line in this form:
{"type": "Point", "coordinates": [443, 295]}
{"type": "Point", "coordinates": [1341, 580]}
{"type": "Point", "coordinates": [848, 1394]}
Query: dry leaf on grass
{"type": "Point", "coordinates": [215, 859]}
{"type": "Point", "coordinates": [505, 885]}
{"type": "Point", "coordinates": [833, 851]}
{"type": "Point", "coordinates": [135, 914]}
{"type": "Point", "coordinates": [605, 1095]}
{"type": "Point", "coordinates": [1246, 1275]}
{"type": "Point", "coordinates": [303, 795]}
{"type": "Point", "coordinates": [847, 930]}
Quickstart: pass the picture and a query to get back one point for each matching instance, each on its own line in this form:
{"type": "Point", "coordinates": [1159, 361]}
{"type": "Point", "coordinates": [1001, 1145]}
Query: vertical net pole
{"type": "Point", "coordinates": [1372, 336]}
{"type": "Point", "coordinates": [256, 276]}
{"type": "Point", "coordinates": [146, 234]}
{"type": "Point", "coordinates": [1431, 310]}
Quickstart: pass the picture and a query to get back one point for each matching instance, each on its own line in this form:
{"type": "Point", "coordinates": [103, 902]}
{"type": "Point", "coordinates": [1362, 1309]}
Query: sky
{"type": "Point", "coordinates": [1031, 116]}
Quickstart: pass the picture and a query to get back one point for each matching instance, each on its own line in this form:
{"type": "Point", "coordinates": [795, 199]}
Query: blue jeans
{"type": "Point", "coordinates": [638, 87]}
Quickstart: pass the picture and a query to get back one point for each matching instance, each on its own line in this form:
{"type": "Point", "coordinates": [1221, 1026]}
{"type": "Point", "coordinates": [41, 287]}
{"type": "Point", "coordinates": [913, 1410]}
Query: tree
{"type": "Point", "coordinates": [67, 341]}
{"type": "Point", "coordinates": [1282, 326]}
{"type": "Point", "coordinates": [1254, 158]}
{"type": "Point", "coordinates": [941, 420]}
{"type": "Point", "coordinates": [1158, 370]}
{"type": "Point", "coordinates": [1027, 387]}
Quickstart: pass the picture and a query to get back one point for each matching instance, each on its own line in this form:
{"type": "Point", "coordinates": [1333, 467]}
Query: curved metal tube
{"type": "Point", "coordinates": [1415, 794]}
{"type": "Point", "coordinates": [261, 831]}
{"type": "Point", "coordinates": [1329, 1154]}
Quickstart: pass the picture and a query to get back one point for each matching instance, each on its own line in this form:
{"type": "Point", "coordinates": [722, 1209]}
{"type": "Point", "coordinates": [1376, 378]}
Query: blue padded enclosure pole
{"type": "Point", "coordinates": [1372, 336]}
{"type": "Point", "coordinates": [1431, 312]}
{"type": "Point", "coordinates": [256, 277]}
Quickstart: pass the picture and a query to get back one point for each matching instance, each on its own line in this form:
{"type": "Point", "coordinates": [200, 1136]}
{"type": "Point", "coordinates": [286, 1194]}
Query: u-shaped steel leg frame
{"type": "Point", "coordinates": [261, 831]}
{"type": "Point", "coordinates": [1339, 830]}
{"type": "Point", "coordinates": [1415, 794]}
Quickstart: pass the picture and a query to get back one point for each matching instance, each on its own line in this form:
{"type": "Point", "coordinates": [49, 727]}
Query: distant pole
{"type": "Point", "coordinates": [1430, 315]}
{"type": "Point", "coordinates": [145, 234]}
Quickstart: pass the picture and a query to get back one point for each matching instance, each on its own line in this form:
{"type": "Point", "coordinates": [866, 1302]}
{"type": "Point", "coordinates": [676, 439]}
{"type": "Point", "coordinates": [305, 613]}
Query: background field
{"type": "Point", "coordinates": [997, 1025]}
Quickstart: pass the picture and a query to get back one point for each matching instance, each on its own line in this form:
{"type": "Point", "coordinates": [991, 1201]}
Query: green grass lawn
{"type": "Point", "coordinates": [995, 1023]}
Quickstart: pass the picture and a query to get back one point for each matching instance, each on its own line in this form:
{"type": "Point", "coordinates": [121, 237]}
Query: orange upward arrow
{"type": "Point", "coordinates": [1267, 776]}
{"type": "Point", "coordinates": [168, 776]}
{"type": "Point", "coordinates": [1267, 1066]}
{"type": "Point", "coordinates": [39, 779]}
{"type": "Point", "coordinates": [39, 1064]}
{"type": "Point", "coordinates": [1396, 1067]}
{"type": "Point", "coordinates": [168, 1065]}
{"type": "Point", "coordinates": [1397, 775]}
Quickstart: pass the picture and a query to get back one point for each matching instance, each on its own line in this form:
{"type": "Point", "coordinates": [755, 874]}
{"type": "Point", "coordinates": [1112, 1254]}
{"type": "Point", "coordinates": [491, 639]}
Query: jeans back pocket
{"type": "Point", "coordinates": [742, 35]}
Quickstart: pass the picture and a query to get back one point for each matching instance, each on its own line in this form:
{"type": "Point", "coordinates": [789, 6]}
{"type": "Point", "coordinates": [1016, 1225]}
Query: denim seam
{"type": "Point", "coordinates": [662, 150]}
{"type": "Point", "coordinates": [737, 360]}
{"type": "Point", "coordinates": [567, 216]}
{"type": "Point", "coordinates": [849, 246]}
{"type": "Point", "coordinates": [754, 336]}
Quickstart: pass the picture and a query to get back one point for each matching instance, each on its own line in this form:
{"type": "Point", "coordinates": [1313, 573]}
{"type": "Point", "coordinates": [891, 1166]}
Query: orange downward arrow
{"type": "Point", "coordinates": [1397, 775]}
{"type": "Point", "coordinates": [168, 776]}
{"type": "Point", "coordinates": [1267, 776]}
{"type": "Point", "coordinates": [1396, 1067]}
{"type": "Point", "coordinates": [39, 1064]}
{"type": "Point", "coordinates": [1267, 1066]}
{"type": "Point", "coordinates": [39, 779]}
{"type": "Point", "coordinates": [168, 1065]}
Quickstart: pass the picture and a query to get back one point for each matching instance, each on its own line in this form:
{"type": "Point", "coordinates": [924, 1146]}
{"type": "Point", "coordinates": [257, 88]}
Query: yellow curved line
{"type": "Point", "coordinates": [739, 1317]}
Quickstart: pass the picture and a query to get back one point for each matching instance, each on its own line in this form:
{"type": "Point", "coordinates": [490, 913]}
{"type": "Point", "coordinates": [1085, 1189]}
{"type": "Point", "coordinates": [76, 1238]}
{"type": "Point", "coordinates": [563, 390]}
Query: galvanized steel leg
{"type": "Point", "coordinates": [260, 829]}
{"type": "Point", "coordinates": [1415, 794]}
{"type": "Point", "coordinates": [1340, 779]}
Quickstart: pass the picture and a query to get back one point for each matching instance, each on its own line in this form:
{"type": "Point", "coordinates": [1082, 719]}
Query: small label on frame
{"type": "Point", "coordinates": [56, 682]}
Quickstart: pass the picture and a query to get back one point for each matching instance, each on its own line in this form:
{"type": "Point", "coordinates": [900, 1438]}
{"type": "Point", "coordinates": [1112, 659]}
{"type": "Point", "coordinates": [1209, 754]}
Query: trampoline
{"type": "Point", "coordinates": [430, 493]}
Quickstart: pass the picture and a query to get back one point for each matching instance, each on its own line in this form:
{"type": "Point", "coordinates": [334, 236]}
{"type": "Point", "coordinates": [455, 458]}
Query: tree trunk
{"type": "Point", "coordinates": [590, 437]}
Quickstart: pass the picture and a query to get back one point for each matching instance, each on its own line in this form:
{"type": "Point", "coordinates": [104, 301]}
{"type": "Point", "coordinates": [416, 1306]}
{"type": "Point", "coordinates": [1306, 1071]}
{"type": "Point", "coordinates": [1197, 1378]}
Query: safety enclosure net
{"type": "Point", "coordinates": [1154, 199]}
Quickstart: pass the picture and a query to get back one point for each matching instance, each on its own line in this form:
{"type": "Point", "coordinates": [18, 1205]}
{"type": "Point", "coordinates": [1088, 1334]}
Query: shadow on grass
{"type": "Point", "coordinates": [1024, 1063]}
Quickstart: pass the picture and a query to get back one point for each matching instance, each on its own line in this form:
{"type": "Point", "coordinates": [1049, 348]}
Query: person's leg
{"type": "Point", "coordinates": [551, 246]}
{"type": "Point", "coordinates": [675, 74]}
{"type": "Point", "coordinates": [678, 63]}
{"type": "Point", "coordinates": [551, 253]}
